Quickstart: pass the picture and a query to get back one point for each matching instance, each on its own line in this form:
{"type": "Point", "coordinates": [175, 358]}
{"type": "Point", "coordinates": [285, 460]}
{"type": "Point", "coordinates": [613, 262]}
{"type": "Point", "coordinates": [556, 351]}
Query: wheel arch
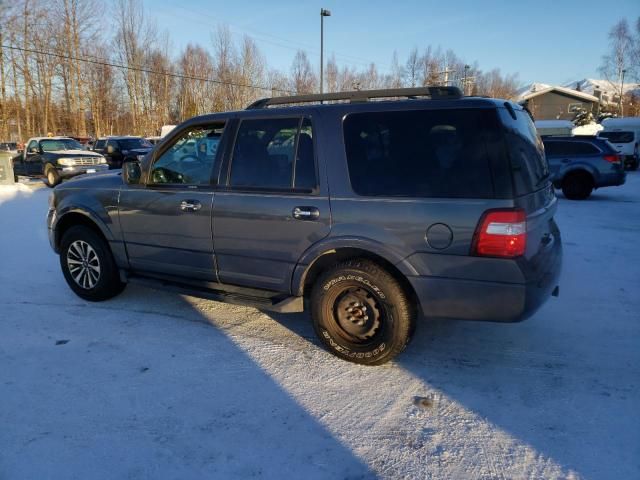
{"type": "Point", "coordinates": [306, 275]}
{"type": "Point", "coordinates": [74, 218]}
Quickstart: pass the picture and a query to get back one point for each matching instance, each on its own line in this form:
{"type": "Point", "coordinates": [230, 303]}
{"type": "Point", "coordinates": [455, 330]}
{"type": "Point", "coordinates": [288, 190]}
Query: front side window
{"type": "Point", "coordinates": [190, 160]}
{"type": "Point", "coordinates": [274, 154]}
{"type": "Point", "coordinates": [99, 144]}
{"type": "Point", "coordinates": [422, 153]}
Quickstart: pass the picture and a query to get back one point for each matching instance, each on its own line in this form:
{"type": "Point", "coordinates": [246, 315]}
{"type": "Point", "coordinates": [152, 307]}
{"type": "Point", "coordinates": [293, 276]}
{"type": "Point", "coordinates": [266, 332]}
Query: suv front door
{"type": "Point", "coordinates": [166, 221]}
{"type": "Point", "coordinates": [270, 207]}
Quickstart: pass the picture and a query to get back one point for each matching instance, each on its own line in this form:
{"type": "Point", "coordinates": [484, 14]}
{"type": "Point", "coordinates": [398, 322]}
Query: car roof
{"type": "Point", "coordinates": [344, 108]}
{"type": "Point", "coordinates": [575, 138]}
{"type": "Point", "coordinates": [50, 138]}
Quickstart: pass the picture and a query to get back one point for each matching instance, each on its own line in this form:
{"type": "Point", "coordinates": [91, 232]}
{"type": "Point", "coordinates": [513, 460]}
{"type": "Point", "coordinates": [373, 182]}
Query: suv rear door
{"type": "Point", "coordinates": [270, 206]}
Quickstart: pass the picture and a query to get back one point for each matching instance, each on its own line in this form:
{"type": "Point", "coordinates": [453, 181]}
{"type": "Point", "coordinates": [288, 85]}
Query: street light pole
{"type": "Point", "coordinates": [323, 13]}
{"type": "Point", "coordinates": [622, 93]}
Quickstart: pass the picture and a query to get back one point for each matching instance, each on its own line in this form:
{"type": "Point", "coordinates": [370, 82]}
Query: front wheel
{"type": "Point", "coordinates": [53, 178]}
{"type": "Point", "coordinates": [88, 266]}
{"type": "Point", "coordinates": [361, 313]}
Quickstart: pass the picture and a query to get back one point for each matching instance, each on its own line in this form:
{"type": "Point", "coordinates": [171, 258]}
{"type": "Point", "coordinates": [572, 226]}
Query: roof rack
{"type": "Point", "coordinates": [434, 93]}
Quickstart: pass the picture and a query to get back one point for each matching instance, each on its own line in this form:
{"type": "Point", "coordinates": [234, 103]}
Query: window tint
{"type": "Point", "coordinates": [582, 148]}
{"type": "Point", "coordinates": [134, 143]}
{"type": "Point", "coordinates": [617, 137]}
{"type": "Point", "coordinates": [526, 152]}
{"type": "Point", "coordinates": [274, 153]}
{"type": "Point", "coordinates": [100, 144]}
{"type": "Point", "coordinates": [190, 159]}
{"type": "Point", "coordinates": [428, 153]}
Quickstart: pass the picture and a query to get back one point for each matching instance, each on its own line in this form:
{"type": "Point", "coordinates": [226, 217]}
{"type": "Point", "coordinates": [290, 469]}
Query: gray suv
{"type": "Point", "coordinates": [581, 164]}
{"type": "Point", "coordinates": [366, 213]}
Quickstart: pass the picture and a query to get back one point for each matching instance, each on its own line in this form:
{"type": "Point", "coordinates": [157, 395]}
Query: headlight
{"type": "Point", "coordinates": [67, 162]}
{"type": "Point", "coordinates": [102, 160]}
{"type": "Point", "coordinates": [139, 157]}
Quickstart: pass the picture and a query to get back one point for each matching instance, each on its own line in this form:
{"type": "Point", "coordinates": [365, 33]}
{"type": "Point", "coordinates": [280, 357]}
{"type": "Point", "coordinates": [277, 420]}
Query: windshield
{"type": "Point", "coordinates": [56, 145]}
{"type": "Point", "coordinates": [617, 137]}
{"type": "Point", "coordinates": [134, 143]}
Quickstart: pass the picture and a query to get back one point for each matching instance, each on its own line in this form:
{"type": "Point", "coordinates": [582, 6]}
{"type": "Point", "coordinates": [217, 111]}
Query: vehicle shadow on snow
{"type": "Point", "coordinates": [515, 377]}
{"type": "Point", "coordinates": [142, 386]}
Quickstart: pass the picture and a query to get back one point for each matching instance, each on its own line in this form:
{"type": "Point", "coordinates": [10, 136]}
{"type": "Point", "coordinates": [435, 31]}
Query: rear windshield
{"type": "Point", "coordinates": [420, 153]}
{"type": "Point", "coordinates": [526, 152]}
{"type": "Point", "coordinates": [134, 143]}
{"type": "Point", "coordinates": [617, 137]}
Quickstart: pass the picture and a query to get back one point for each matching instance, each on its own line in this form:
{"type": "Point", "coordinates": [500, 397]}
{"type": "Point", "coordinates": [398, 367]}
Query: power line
{"type": "Point", "coordinates": [143, 69]}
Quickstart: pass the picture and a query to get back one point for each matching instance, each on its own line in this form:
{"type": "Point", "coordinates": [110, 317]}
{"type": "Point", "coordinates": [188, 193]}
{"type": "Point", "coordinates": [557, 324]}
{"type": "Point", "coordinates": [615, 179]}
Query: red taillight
{"type": "Point", "coordinates": [502, 233]}
{"type": "Point", "coordinates": [612, 158]}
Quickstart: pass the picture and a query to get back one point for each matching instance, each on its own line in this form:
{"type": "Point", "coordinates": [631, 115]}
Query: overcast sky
{"type": "Point", "coordinates": [544, 41]}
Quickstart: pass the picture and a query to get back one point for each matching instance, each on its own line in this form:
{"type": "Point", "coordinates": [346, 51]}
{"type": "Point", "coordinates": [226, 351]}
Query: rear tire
{"type": "Point", "coordinates": [88, 266]}
{"type": "Point", "coordinates": [577, 185]}
{"type": "Point", "coordinates": [361, 313]}
{"type": "Point", "coordinates": [53, 178]}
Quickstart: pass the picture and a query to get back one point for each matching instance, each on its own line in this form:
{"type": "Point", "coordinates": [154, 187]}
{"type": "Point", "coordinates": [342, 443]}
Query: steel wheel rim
{"type": "Point", "coordinates": [358, 314]}
{"type": "Point", "coordinates": [83, 264]}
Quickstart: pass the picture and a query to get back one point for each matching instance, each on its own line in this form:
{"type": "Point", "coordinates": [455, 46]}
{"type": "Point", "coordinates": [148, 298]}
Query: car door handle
{"type": "Point", "coordinates": [306, 213]}
{"type": "Point", "coordinates": [190, 206]}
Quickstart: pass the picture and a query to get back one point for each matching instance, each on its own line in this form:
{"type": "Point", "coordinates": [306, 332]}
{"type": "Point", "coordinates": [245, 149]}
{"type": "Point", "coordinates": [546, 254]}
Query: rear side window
{"type": "Point", "coordinates": [559, 148]}
{"type": "Point", "coordinates": [274, 153]}
{"type": "Point", "coordinates": [617, 137]}
{"type": "Point", "coordinates": [583, 148]}
{"type": "Point", "coordinates": [526, 152]}
{"type": "Point", "coordinates": [421, 153]}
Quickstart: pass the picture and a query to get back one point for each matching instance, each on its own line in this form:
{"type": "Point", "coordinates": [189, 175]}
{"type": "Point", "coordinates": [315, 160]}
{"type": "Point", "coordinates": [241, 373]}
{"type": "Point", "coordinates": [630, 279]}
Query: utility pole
{"type": "Point", "coordinates": [323, 13]}
{"type": "Point", "coordinates": [464, 82]}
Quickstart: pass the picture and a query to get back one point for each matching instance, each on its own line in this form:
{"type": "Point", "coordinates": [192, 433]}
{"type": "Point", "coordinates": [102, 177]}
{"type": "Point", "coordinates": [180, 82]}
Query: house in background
{"type": "Point", "coordinates": [558, 103]}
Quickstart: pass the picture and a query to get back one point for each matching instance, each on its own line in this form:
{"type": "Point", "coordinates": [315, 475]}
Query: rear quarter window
{"type": "Point", "coordinates": [420, 153]}
{"type": "Point", "coordinates": [529, 166]}
{"type": "Point", "coordinates": [617, 137]}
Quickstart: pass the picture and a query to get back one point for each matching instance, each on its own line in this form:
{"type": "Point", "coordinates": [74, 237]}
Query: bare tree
{"type": "Point", "coordinates": [303, 80]}
{"type": "Point", "coordinates": [620, 58]}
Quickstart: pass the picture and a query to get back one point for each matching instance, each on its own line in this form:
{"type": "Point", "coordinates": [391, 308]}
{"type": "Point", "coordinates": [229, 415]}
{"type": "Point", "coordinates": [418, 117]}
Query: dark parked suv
{"type": "Point", "coordinates": [581, 163]}
{"type": "Point", "coordinates": [368, 213]}
{"type": "Point", "coordinates": [118, 150]}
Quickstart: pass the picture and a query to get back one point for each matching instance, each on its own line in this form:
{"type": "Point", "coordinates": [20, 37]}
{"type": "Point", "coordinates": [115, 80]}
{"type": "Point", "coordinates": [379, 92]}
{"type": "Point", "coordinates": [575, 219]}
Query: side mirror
{"type": "Point", "coordinates": [131, 172]}
{"type": "Point", "coordinates": [33, 150]}
{"type": "Point", "coordinates": [110, 149]}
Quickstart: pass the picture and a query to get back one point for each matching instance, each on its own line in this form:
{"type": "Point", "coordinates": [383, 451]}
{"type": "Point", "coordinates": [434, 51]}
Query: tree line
{"type": "Point", "coordinates": [61, 73]}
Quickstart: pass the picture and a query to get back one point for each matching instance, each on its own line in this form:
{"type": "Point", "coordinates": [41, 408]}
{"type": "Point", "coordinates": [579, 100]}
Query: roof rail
{"type": "Point", "coordinates": [434, 93]}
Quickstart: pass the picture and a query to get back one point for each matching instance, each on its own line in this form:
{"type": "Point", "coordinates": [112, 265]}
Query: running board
{"type": "Point", "coordinates": [280, 304]}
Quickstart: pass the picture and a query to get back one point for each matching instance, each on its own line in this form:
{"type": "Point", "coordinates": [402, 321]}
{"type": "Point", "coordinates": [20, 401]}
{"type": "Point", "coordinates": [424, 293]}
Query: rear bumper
{"type": "Point", "coordinates": [612, 179]}
{"type": "Point", "coordinates": [485, 300]}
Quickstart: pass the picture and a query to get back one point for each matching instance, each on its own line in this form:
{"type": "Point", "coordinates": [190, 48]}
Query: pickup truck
{"type": "Point", "coordinates": [57, 158]}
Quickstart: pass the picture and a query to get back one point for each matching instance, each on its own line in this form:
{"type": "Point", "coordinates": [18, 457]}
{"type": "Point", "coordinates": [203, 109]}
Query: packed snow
{"type": "Point", "coordinates": [157, 385]}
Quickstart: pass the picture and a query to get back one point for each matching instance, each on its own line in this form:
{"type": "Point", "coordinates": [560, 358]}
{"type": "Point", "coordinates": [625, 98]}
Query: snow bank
{"type": "Point", "coordinates": [589, 129]}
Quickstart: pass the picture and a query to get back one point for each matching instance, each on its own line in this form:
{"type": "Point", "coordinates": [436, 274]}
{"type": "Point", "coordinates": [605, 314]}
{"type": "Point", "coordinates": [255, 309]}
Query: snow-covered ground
{"type": "Point", "coordinates": [156, 385]}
